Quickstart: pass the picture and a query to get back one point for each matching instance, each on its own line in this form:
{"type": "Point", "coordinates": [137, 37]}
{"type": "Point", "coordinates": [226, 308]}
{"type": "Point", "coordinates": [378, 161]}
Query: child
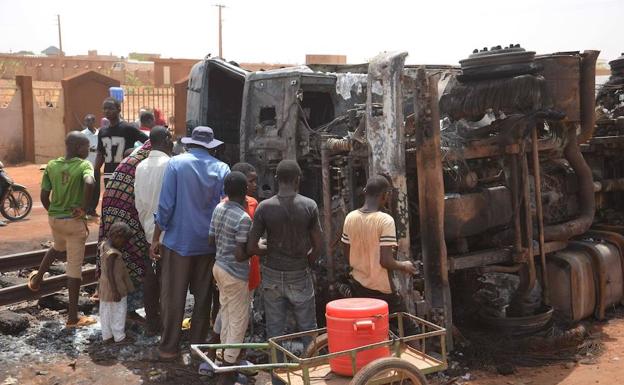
{"type": "Point", "coordinates": [250, 208]}
{"type": "Point", "coordinates": [114, 284]}
{"type": "Point", "coordinates": [228, 231]}
{"type": "Point", "coordinates": [66, 190]}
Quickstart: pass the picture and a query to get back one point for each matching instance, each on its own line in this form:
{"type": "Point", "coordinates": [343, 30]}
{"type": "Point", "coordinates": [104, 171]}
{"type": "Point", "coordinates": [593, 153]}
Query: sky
{"type": "Point", "coordinates": [281, 31]}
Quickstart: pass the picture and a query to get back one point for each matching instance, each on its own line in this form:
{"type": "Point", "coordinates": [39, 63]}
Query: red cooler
{"type": "Point", "coordinates": [352, 323]}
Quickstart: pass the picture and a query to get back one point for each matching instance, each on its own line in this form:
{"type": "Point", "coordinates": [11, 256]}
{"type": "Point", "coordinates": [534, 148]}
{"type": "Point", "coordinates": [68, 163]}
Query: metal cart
{"type": "Point", "coordinates": [409, 359]}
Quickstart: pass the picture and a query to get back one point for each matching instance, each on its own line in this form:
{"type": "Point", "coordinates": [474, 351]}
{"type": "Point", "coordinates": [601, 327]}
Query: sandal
{"type": "Point", "coordinates": [31, 287]}
{"type": "Point", "coordinates": [82, 322]}
{"type": "Point", "coordinates": [154, 355]}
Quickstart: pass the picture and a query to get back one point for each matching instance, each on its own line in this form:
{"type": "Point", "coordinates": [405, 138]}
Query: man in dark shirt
{"type": "Point", "coordinates": [115, 139]}
{"type": "Point", "coordinates": [291, 222]}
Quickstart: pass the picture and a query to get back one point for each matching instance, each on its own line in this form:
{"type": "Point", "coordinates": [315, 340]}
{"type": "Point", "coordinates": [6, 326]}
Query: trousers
{"type": "Point", "coordinates": [113, 319]}
{"type": "Point", "coordinates": [180, 273]}
{"type": "Point", "coordinates": [235, 299]}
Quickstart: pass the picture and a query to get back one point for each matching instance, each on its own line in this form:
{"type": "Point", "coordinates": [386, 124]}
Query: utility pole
{"type": "Point", "coordinates": [58, 22]}
{"type": "Point", "coordinates": [220, 6]}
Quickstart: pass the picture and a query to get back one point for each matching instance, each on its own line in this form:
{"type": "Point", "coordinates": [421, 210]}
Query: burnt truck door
{"type": "Point", "coordinates": [281, 108]}
{"type": "Point", "coordinates": [214, 99]}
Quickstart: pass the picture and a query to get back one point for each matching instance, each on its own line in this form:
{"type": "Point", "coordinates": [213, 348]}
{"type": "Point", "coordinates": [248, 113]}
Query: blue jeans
{"type": "Point", "coordinates": [283, 291]}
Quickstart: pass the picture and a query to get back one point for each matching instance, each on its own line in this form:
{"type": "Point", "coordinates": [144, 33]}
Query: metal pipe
{"type": "Point", "coordinates": [515, 205]}
{"type": "Point", "coordinates": [501, 269]}
{"type": "Point", "coordinates": [573, 154]}
{"type": "Point", "coordinates": [607, 185]}
{"type": "Point", "coordinates": [327, 231]}
{"type": "Point", "coordinates": [528, 223]}
{"type": "Point", "coordinates": [587, 204]}
{"type": "Point", "coordinates": [540, 214]}
{"type": "Point", "coordinates": [588, 94]}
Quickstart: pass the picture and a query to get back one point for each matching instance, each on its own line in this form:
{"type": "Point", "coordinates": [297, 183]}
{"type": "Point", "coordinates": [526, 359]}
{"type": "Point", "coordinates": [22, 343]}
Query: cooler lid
{"type": "Point", "coordinates": [356, 307]}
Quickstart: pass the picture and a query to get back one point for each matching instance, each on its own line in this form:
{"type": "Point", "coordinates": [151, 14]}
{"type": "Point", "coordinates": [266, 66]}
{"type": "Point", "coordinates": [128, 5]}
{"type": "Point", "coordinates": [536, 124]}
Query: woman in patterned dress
{"type": "Point", "coordinates": [118, 205]}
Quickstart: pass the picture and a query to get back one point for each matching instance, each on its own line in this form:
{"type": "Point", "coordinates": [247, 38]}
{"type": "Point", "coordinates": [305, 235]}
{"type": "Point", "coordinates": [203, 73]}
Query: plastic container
{"type": "Point", "coordinates": [117, 93]}
{"type": "Point", "coordinates": [353, 323]}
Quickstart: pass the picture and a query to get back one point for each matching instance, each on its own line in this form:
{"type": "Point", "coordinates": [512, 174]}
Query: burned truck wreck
{"type": "Point", "coordinates": [491, 192]}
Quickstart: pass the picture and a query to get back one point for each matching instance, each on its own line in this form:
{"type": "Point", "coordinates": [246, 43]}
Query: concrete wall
{"type": "Point", "coordinates": [326, 59]}
{"type": "Point", "coordinates": [11, 150]}
{"type": "Point", "coordinates": [49, 132]}
{"type": "Point", "coordinates": [55, 69]}
{"type": "Point", "coordinates": [179, 69]}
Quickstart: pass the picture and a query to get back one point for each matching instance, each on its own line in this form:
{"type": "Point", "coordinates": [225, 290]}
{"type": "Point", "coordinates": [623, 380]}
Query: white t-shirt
{"type": "Point", "coordinates": [93, 142]}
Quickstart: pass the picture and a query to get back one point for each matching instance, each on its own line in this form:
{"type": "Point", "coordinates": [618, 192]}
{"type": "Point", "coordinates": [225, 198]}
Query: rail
{"type": "Point", "coordinates": [13, 262]}
{"type": "Point", "coordinates": [19, 293]}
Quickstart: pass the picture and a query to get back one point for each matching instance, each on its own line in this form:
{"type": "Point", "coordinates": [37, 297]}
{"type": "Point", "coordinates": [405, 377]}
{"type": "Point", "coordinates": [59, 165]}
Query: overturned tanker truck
{"type": "Point", "coordinates": [492, 194]}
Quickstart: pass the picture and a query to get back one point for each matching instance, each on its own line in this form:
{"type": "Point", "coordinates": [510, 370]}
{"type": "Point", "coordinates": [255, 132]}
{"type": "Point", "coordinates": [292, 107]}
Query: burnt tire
{"type": "Point", "coordinates": [374, 371]}
{"type": "Point", "coordinates": [319, 343]}
{"type": "Point", "coordinates": [17, 204]}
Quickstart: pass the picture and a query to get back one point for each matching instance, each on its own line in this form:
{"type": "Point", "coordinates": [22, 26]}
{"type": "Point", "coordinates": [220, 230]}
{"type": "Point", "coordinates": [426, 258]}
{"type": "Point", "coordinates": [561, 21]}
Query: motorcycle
{"type": "Point", "coordinates": [15, 200]}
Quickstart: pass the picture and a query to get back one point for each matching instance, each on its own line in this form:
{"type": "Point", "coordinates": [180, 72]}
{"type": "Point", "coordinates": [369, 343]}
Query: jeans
{"type": "Point", "coordinates": [288, 290]}
{"type": "Point", "coordinates": [283, 290]}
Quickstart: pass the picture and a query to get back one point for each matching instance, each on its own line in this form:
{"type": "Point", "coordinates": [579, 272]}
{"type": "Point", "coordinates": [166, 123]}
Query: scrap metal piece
{"type": "Point", "coordinates": [431, 199]}
{"type": "Point", "coordinates": [386, 138]}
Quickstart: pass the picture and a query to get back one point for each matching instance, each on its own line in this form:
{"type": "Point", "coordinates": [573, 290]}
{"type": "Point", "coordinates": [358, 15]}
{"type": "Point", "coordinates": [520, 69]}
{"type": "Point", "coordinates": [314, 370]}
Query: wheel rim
{"type": "Point", "coordinates": [16, 204]}
{"type": "Point", "coordinates": [394, 376]}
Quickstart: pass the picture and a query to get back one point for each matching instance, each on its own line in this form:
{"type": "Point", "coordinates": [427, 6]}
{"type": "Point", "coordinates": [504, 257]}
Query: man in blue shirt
{"type": "Point", "coordinates": [192, 188]}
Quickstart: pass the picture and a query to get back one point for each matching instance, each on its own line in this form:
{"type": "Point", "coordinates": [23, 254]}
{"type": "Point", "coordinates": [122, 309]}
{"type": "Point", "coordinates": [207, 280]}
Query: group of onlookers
{"type": "Point", "coordinates": [170, 225]}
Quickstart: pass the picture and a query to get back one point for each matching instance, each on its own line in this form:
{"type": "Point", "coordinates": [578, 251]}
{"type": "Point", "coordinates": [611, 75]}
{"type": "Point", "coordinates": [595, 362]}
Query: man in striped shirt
{"type": "Point", "coordinates": [369, 239]}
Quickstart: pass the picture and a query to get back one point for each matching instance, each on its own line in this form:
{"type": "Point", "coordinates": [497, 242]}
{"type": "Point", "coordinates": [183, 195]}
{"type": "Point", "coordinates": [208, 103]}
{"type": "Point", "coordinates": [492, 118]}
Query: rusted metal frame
{"type": "Point", "coordinates": [611, 228]}
{"type": "Point", "coordinates": [493, 256]}
{"type": "Point", "coordinates": [13, 262]}
{"type": "Point", "coordinates": [515, 205]}
{"type": "Point", "coordinates": [19, 293]}
{"type": "Point", "coordinates": [327, 222]}
{"type": "Point", "coordinates": [480, 258]}
{"type": "Point", "coordinates": [540, 213]}
{"type": "Point", "coordinates": [431, 200]}
{"type": "Point", "coordinates": [386, 139]}
{"type": "Point", "coordinates": [608, 185]}
{"type": "Point", "coordinates": [528, 276]}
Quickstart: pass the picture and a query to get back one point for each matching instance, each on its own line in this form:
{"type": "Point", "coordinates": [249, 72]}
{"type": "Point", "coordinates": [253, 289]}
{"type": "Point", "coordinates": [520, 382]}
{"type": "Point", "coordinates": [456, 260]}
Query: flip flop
{"type": "Point", "coordinates": [30, 285]}
{"type": "Point", "coordinates": [82, 322]}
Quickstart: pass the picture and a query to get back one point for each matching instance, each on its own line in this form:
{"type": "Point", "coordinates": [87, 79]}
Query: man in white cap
{"type": "Point", "coordinates": [192, 188]}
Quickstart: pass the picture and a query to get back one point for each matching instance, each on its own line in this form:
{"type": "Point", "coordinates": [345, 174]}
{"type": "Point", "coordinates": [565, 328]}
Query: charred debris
{"type": "Point", "coordinates": [507, 188]}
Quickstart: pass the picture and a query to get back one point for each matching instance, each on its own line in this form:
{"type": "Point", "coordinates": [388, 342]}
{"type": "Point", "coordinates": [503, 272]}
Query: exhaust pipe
{"type": "Point", "coordinates": [572, 153]}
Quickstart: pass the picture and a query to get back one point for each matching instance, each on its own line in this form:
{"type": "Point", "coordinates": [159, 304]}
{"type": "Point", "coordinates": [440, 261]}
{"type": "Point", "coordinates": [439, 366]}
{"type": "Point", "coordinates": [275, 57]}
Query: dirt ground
{"type": "Point", "coordinates": [91, 363]}
{"type": "Point", "coordinates": [29, 233]}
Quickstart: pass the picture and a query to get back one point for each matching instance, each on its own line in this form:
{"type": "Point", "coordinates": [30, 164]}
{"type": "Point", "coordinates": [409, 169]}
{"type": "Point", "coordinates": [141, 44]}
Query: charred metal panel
{"type": "Point", "coordinates": [470, 214]}
{"type": "Point", "coordinates": [386, 138]}
{"type": "Point", "coordinates": [431, 200]}
{"type": "Point", "coordinates": [214, 99]}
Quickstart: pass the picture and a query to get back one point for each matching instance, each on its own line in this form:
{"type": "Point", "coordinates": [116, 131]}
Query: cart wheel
{"type": "Point", "coordinates": [318, 346]}
{"type": "Point", "coordinates": [400, 370]}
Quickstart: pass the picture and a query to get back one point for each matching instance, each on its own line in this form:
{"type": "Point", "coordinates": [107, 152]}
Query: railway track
{"type": "Point", "coordinates": [19, 293]}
